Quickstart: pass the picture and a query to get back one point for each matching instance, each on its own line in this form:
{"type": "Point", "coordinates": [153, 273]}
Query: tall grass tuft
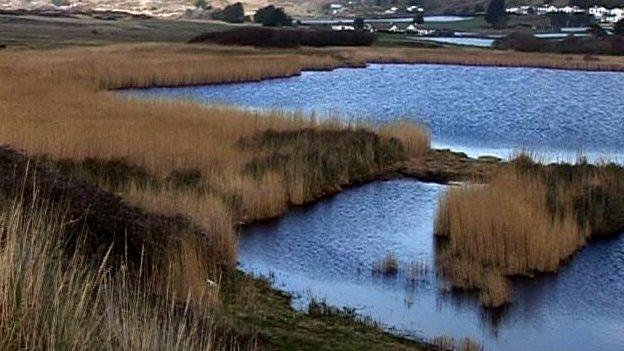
{"type": "Point", "coordinates": [52, 298]}
{"type": "Point", "coordinates": [529, 218]}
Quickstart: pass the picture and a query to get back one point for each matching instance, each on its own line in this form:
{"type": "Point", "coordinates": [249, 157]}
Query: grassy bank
{"type": "Point", "coordinates": [54, 297]}
{"type": "Point", "coordinates": [529, 219]}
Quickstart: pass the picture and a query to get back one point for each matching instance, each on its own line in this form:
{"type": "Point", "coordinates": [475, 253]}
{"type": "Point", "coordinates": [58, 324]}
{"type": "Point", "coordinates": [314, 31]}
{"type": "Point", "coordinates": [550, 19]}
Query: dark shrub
{"type": "Point", "coordinates": [233, 13]}
{"type": "Point", "coordinates": [618, 29]}
{"type": "Point", "coordinates": [285, 38]}
{"type": "Point", "coordinates": [272, 16]}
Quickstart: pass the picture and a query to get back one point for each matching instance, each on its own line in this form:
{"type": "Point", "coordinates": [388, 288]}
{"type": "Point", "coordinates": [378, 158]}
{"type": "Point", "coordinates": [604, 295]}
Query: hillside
{"type": "Point", "coordinates": [296, 7]}
{"type": "Point", "coordinates": [163, 7]}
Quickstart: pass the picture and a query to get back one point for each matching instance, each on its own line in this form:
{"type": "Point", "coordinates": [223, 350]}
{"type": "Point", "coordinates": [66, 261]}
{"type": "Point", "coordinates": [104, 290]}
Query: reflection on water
{"type": "Point", "coordinates": [326, 251]}
{"type": "Point", "coordinates": [479, 110]}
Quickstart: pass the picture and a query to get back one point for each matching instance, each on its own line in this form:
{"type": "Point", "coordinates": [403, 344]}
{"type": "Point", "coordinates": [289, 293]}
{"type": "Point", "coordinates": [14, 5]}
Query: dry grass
{"type": "Point", "coordinates": [529, 218]}
{"type": "Point", "coordinates": [58, 103]}
{"type": "Point", "coordinates": [53, 299]}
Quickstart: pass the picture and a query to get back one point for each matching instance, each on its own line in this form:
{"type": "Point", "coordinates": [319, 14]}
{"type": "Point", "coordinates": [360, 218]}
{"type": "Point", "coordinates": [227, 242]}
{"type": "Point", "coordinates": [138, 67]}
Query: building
{"type": "Point", "coordinates": [414, 29]}
{"type": "Point", "coordinates": [343, 28]}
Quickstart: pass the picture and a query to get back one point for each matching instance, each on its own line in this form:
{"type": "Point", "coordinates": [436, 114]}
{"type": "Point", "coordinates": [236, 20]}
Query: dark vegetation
{"type": "Point", "coordinates": [496, 14]}
{"type": "Point", "coordinates": [104, 218]}
{"type": "Point", "coordinates": [618, 29]}
{"type": "Point", "coordinates": [286, 38]}
{"type": "Point", "coordinates": [597, 193]}
{"type": "Point", "coordinates": [234, 13]}
{"type": "Point", "coordinates": [560, 20]}
{"type": "Point", "coordinates": [272, 16]}
{"type": "Point", "coordinates": [326, 158]}
{"type": "Point", "coordinates": [595, 45]}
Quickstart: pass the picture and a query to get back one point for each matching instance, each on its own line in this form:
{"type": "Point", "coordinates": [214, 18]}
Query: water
{"type": "Point", "coordinates": [428, 19]}
{"type": "Point", "coordinates": [465, 41]}
{"type": "Point", "coordinates": [325, 251]}
{"type": "Point", "coordinates": [560, 35]}
{"type": "Point", "coordinates": [478, 110]}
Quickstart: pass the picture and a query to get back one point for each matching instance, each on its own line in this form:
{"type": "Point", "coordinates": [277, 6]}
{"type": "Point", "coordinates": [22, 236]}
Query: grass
{"type": "Point", "coordinates": [388, 265]}
{"type": "Point", "coordinates": [52, 298]}
{"type": "Point", "coordinates": [528, 219]}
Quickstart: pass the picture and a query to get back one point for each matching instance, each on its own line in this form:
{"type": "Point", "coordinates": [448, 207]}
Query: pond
{"type": "Point", "coordinates": [464, 41]}
{"type": "Point", "coordinates": [478, 110]}
{"type": "Point", "coordinates": [427, 19]}
{"type": "Point", "coordinates": [326, 251]}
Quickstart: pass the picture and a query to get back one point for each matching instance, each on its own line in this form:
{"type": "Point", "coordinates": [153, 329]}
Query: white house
{"type": "Point", "coordinates": [343, 28]}
{"type": "Point", "coordinates": [413, 29]}
{"type": "Point", "coordinates": [335, 8]}
{"type": "Point", "coordinates": [598, 11]}
{"type": "Point", "coordinates": [415, 9]}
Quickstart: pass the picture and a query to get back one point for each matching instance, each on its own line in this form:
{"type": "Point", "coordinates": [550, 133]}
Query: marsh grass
{"type": "Point", "coordinates": [53, 297]}
{"type": "Point", "coordinates": [530, 218]}
{"type": "Point", "coordinates": [386, 266]}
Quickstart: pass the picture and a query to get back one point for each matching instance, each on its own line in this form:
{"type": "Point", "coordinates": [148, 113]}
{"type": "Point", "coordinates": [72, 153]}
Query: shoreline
{"type": "Point", "coordinates": [445, 57]}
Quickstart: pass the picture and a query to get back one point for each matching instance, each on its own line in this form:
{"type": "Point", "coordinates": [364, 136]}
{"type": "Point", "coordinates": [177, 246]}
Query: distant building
{"type": "Point", "coordinates": [414, 29]}
{"type": "Point", "coordinates": [388, 28]}
{"type": "Point", "coordinates": [343, 28]}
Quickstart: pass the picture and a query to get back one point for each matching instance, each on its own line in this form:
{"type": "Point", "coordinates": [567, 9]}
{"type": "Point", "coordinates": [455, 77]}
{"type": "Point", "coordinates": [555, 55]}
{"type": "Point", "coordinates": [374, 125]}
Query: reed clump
{"type": "Point", "coordinates": [56, 297]}
{"type": "Point", "coordinates": [530, 218]}
{"type": "Point", "coordinates": [388, 265]}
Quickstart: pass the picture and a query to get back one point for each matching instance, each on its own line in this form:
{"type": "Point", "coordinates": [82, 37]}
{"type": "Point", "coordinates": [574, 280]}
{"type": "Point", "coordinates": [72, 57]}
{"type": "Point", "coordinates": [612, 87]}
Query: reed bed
{"type": "Point", "coordinates": [528, 219]}
{"type": "Point", "coordinates": [388, 265]}
{"type": "Point", "coordinates": [54, 298]}
{"type": "Point", "coordinates": [216, 166]}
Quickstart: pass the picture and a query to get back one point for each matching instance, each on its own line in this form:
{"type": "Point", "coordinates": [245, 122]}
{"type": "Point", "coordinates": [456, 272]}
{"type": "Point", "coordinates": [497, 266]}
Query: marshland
{"type": "Point", "coordinates": [163, 195]}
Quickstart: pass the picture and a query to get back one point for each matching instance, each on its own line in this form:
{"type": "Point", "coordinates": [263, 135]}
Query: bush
{"type": "Point", "coordinates": [286, 38]}
{"type": "Point", "coordinates": [618, 29]}
{"type": "Point", "coordinates": [272, 16]}
{"type": "Point", "coordinates": [234, 13]}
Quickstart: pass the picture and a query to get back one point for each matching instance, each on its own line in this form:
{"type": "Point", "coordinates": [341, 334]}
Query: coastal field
{"type": "Point", "coordinates": [150, 194]}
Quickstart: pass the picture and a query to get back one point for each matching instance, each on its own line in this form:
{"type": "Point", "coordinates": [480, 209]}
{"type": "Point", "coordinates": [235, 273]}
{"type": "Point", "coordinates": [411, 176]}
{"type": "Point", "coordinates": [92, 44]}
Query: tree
{"type": "Point", "coordinates": [358, 23]}
{"type": "Point", "coordinates": [618, 29]}
{"type": "Point", "coordinates": [597, 31]}
{"type": "Point", "coordinates": [419, 17]}
{"type": "Point", "coordinates": [496, 14]}
{"type": "Point", "coordinates": [234, 13]}
{"type": "Point", "coordinates": [272, 16]}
